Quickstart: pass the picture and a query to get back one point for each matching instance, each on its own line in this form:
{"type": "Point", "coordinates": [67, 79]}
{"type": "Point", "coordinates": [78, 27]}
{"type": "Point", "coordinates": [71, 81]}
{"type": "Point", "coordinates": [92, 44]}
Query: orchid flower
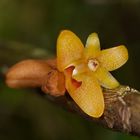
{"type": "Point", "coordinates": [87, 69]}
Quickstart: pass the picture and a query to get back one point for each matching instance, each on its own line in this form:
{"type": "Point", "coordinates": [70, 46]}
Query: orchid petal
{"type": "Point", "coordinates": [88, 95]}
{"type": "Point", "coordinates": [113, 58]}
{"type": "Point", "coordinates": [105, 78]}
{"type": "Point", "coordinates": [69, 49]}
{"type": "Point", "coordinates": [92, 46]}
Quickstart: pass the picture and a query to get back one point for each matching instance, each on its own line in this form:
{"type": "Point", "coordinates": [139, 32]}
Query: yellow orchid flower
{"type": "Point", "coordinates": [87, 69]}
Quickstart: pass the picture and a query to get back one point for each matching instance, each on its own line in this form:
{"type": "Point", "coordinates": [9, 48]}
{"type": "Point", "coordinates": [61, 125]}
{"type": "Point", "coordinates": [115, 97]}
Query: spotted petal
{"type": "Point", "coordinates": [113, 58]}
{"type": "Point", "coordinates": [69, 49]}
{"type": "Point", "coordinates": [105, 78]}
{"type": "Point", "coordinates": [88, 95]}
{"type": "Point", "coordinates": [92, 46]}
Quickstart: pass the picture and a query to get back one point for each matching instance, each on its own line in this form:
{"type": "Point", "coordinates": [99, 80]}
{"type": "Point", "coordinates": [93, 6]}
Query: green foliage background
{"type": "Point", "coordinates": [29, 29]}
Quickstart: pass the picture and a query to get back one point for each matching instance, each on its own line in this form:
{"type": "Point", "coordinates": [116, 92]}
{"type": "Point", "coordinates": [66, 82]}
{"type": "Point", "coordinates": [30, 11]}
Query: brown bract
{"type": "Point", "coordinates": [36, 73]}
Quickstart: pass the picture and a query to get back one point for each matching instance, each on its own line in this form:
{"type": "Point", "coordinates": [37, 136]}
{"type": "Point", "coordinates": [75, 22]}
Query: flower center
{"type": "Point", "coordinates": [93, 64]}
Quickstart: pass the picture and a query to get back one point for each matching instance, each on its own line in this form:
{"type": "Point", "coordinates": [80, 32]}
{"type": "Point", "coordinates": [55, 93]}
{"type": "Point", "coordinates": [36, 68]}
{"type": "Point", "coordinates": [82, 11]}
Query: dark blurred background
{"type": "Point", "coordinates": [29, 29]}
